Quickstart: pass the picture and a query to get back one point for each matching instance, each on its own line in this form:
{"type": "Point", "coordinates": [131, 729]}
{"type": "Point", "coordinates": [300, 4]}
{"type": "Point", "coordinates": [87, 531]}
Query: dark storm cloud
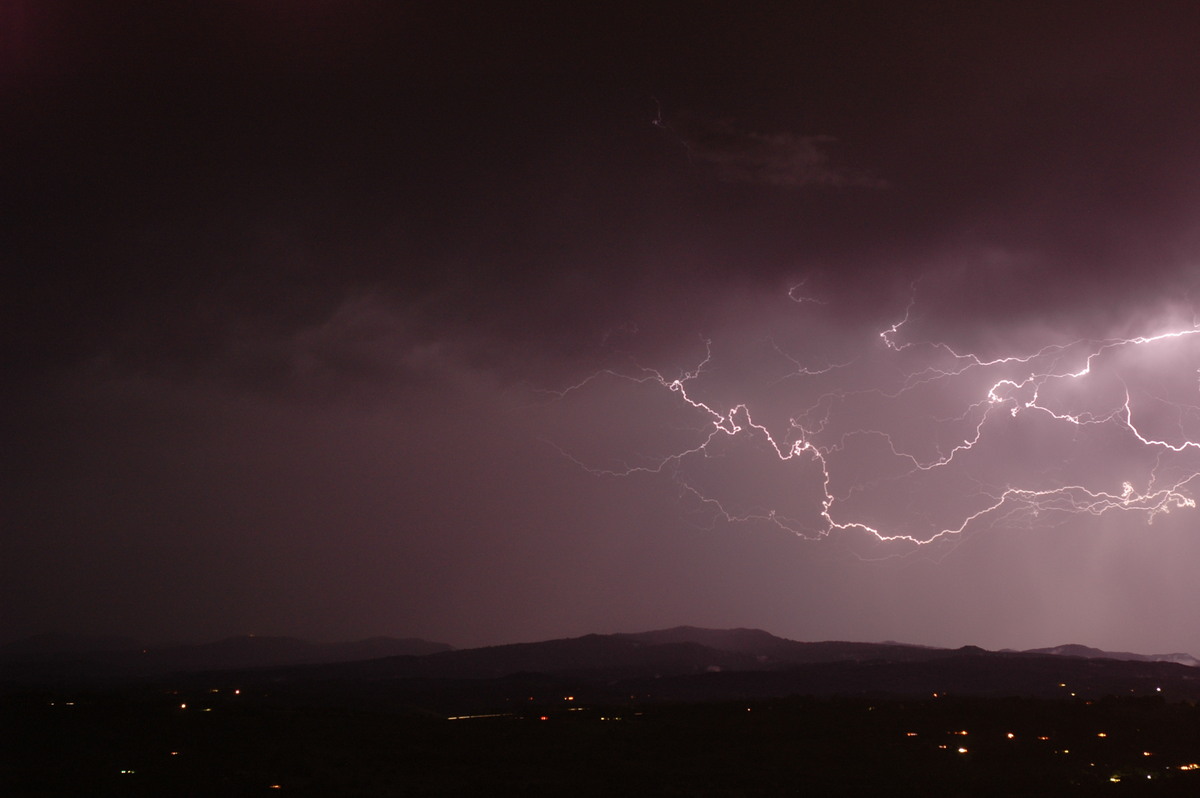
{"type": "Point", "coordinates": [779, 159]}
{"type": "Point", "coordinates": [292, 292]}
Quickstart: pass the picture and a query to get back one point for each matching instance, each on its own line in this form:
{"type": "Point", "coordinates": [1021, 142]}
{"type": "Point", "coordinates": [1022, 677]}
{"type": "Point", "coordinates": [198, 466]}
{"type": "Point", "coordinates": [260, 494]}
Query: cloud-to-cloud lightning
{"type": "Point", "coordinates": [912, 442]}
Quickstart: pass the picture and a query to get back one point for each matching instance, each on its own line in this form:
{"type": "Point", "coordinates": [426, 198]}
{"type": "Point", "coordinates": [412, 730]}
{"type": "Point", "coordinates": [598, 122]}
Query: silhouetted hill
{"type": "Point", "coordinates": [683, 663]}
{"type": "Point", "coordinates": [1076, 650]}
{"type": "Point", "coordinates": [656, 654]}
{"type": "Point", "coordinates": [745, 641]}
{"type": "Point", "coordinates": [671, 665]}
{"type": "Point", "coordinates": [533, 678]}
{"type": "Point", "coordinates": [769, 649]}
{"type": "Point", "coordinates": [598, 656]}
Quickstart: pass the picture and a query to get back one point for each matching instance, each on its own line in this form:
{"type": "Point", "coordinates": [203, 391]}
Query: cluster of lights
{"type": "Point", "coordinates": [1115, 778]}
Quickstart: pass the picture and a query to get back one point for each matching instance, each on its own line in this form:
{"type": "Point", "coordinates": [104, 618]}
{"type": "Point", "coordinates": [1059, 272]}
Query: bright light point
{"type": "Point", "coordinates": [183, 706]}
{"type": "Point", "coordinates": [1102, 734]}
{"type": "Point", "coordinates": [962, 750]}
{"type": "Point", "coordinates": [1114, 779]}
{"type": "Point", "coordinates": [1010, 735]}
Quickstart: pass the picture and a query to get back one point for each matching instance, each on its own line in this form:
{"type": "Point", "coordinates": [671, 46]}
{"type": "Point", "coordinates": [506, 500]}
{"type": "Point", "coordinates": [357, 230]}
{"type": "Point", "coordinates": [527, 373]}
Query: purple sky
{"type": "Point", "coordinates": [337, 319]}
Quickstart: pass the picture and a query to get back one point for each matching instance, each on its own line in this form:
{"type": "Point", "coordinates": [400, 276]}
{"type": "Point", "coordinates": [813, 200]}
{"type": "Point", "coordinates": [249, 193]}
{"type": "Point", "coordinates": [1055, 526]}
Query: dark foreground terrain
{"type": "Point", "coordinates": [685, 712]}
{"type": "Point", "coordinates": [162, 741]}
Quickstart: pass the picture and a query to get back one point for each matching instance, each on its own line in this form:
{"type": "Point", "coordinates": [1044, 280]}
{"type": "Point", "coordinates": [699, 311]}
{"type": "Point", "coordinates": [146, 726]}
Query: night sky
{"type": "Point", "coordinates": [495, 322]}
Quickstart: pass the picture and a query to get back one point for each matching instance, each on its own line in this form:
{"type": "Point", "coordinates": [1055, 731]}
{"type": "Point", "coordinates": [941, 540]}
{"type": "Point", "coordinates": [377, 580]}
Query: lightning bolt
{"type": "Point", "coordinates": [1082, 426]}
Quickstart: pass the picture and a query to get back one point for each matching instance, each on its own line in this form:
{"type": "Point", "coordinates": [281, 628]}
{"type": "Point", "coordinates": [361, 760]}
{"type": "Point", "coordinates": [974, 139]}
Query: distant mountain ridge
{"type": "Point", "coordinates": [761, 643]}
{"type": "Point", "coordinates": [1077, 650]}
{"type": "Point", "coordinates": [693, 664]}
{"type": "Point", "coordinates": [766, 647]}
{"type": "Point", "coordinates": [688, 663]}
{"type": "Point", "coordinates": [752, 657]}
{"type": "Point", "coordinates": [667, 652]}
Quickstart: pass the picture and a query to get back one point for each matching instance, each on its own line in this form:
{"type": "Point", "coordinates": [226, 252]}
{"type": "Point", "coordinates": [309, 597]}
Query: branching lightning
{"type": "Point", "coordinates": [1082, 426]}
